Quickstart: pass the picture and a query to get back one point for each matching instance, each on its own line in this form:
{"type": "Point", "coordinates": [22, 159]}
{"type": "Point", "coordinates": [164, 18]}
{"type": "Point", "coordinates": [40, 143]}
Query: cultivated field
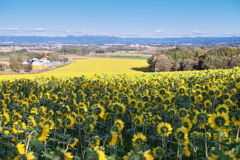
{"type": "Point", "coordinates": [74, 113]}
{"type": "Point", "coordinates": [90, 67]}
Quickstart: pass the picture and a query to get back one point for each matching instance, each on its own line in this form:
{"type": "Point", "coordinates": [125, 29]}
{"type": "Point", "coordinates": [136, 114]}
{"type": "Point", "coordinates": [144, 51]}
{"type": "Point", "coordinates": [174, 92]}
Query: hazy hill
{"type": "Point", "coordinates": [23, 40]}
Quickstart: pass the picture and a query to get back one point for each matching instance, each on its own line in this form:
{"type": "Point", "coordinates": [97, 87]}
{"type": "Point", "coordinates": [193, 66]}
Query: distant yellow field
{"type": "Point", "coordinates": [90, 67]}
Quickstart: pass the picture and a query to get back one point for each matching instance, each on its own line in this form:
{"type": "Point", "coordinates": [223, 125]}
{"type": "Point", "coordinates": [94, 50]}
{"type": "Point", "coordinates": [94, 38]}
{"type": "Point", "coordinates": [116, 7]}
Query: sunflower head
{"type": "Point", "coordinates": [138, 139]}
{"type": "Point", "coordinates": [158, 152]}
{"type": "Point", "coordinates": [164, 129]}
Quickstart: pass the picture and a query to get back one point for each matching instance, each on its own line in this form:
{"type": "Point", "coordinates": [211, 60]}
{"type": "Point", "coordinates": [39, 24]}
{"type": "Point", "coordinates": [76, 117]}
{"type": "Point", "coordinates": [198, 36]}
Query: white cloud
{"type": "Point", "coordinates": [36, 29]}
{"type": "Point", "coordinates": [159, 31]}
{"type": "Point", "coordinates": [198, 32]}
{"type": "Point", "coordinates": [9, 29]}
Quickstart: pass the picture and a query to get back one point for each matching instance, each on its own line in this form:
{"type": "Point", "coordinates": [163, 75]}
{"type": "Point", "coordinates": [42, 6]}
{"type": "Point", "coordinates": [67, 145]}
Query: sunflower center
{"type": "Point", "coordinates": [180, 135]}
{"type": "Point", "coordinates": [220, 121]}
{"type": "Point", "coordinates": [222, 110]}
{"type": "Point", "coordinates": [182, 113]}
{"type": "Point", "coordinates": [97, 111]}
{"type": "Point", "coordinates": [201, 118]}
{"type": "Point", "coordinates": [164, 129]}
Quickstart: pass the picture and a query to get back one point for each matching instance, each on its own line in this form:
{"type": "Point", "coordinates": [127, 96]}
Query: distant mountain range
{"type": "Point", "coordinates": [99, 40]}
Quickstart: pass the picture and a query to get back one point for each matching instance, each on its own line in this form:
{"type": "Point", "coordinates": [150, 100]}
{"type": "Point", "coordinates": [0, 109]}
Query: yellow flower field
{"type": "Point", "coordinates": [90, 67]}
{"type": "Point", "coordinates": [145, 116]}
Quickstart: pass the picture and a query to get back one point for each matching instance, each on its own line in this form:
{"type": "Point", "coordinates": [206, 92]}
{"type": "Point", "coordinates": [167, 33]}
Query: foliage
{"type": "Point", "coordinates": [197, 59]}
{"type": "Point", "coordinates": [27, 67]}
{"type": "Point", "coordinates": [16, 61]}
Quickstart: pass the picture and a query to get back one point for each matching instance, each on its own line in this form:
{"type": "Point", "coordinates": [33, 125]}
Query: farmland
{"type": "Point", "coordinates": [112, 109]}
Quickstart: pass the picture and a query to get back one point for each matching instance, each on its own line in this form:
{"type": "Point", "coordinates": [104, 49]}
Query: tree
{"type": "Point", "coordinates": [162, 63]}
{"type": "Point", "coordinates": [188, 65]}
{"type": "Point", "coordinates": [27, 67]}
{"type": "Point", "coordinates": [16, 61]}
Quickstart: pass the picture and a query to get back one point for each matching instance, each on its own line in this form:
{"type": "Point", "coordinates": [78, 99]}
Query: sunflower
{"type": "Point", "coordinates": [138, 139]}
{"type": "Point", "coordinates": [207, 104]}
{"type": "Point", "coordinates": [181, 135]}
{"type": "Point", "coordinates": [69, 121]}
{"type": "Point", "coordinates": [44, 132]}
{"type": "Point", "coordinates": [119, 124]}
{"type": "Point", "coordinates": [88, 128]}
{"type": "Point", "coordinates": [147, 155]}
{"type": "Point", "coordinates": [54, 98]}
{"type": "Point", "coordinates": [187, 123]}
{"type": "Point", "coordinates": [73, 141]}
{"type": "Point", "coordinates": [118, 107]}
{"type": "Point", "coordinates": [158, 152]}
{"type": "Point", "coordinates": [100, 153]}
{"type": "Point", "coordinates": [64, 96]}
{"type": "Point", "coordinates": [16, 116]}
{"type": "Point", "coordinates": [200, 119]}
{"type": "Point", "coordinates": [218, 120]}
{"type": "Point", "coordinates": [183, 114]}
{"type": "Point", "coordinates": [34, 111]}
{"type": "Point", "coordinates": [20, 148]}
{"type": "Point", "coordinates": [67, 155]}
{"type": "Point", "coordinates": [172, 112]}
{"type": "Point", "coordinates": [222, 108]}
{"type": "Point", "coordinates": [94, 141]}
{"type": "Point", "coordinates": [33, 99]}
{"type": "Point", "coordinates": [82, 108]}
{"type": "Point", "coordinates": [114, 137]}
{"type": "Point", "coordinates": [164, 129]}
{"type": "Point", "coordinates": [6, 118]}
{"type": "Point", "coordinates": [182, 89]}
{"type": "Point", "coordinates": [80, 119]}
{"type": "Point", "coordinates": [138, 120]}
{"type": "Point", "coordinates": [236, 119]}
{"type": "Point", "coordinates": [98, 110]}
{"type": "Point", "coordinates": [31, 122]}
{"type": "Point", "coordinates": [30, 156]}
{"type": "Point", "coordinates": [187, 149]}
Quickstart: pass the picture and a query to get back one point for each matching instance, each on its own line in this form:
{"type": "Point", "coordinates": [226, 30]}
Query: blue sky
{"type": "Point", "coordinates": [122, 18]}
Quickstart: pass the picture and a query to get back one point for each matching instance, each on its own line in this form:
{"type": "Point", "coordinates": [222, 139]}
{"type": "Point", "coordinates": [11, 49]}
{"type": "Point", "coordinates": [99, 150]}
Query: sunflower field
{"type": "Point", "coordinates": [152, 116]}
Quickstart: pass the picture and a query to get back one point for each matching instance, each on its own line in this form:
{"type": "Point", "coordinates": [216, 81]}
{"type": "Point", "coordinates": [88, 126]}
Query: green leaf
{"type": "Point", "coordinates": [37, 144]}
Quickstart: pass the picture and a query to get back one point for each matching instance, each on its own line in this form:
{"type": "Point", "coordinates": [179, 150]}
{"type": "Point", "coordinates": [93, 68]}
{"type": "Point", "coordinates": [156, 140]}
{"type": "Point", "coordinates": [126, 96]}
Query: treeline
{"type": "Point", "coordinates": [188, 59]}
{"type": "Point", "coordinates": [84, 50]}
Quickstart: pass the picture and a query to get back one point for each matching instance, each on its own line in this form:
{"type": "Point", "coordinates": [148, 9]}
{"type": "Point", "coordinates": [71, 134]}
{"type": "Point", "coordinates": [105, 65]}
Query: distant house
{"type": "Point", "coordinates": [40, 62]}
{"type": "Point", "coordinates": [44, 59]}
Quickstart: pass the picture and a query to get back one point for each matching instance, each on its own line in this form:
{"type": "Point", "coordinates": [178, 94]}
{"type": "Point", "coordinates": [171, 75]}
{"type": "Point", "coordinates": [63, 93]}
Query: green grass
{"type": "Point", "coordinates": [113, 57]}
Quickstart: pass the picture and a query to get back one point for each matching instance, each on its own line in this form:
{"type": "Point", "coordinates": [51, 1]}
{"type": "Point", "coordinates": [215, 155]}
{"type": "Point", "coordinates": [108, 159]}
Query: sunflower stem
{"type": "Point", "coordinates": [29, 138]}
{"type": "Point", "coordinates": [206, 146]}
{"type": "Point", "coordinates": [238, 132]}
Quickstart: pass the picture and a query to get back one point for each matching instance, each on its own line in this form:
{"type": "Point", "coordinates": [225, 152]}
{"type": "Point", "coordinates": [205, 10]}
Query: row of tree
{"type": "Point", "coordinates": [184, 59]}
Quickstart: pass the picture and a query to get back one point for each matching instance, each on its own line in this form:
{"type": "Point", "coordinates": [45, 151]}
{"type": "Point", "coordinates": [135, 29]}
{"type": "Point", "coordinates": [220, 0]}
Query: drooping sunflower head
{"type": "Point", "coordinates": [164, 129]}
{"type": "Point", "coordinates": [94, 141]}
{"type": "Point", "coordinates": [200, 119]}
{"type": "Point", "coordinates": [119, 124]}
{"type": "Point", "coordinates": [138, 120]}
{"type": "Point", "coordinates": [21, 148]}
{"type": "Point", "coordinates": [187, 123]}
{"type": "Point", "coordinates": [98, 110]}
{"type": "Point", "coordinates": [69, 121]}
{"type": "Point", "coordinates": [158, 152]}
{"type": "Point", "coordinates": [73, 142]}
{"type": "Point", "coordinates": [138, 139]}
{"type": "Point", "coordinates": [118, 107]}
{"type": "Point", "coordinates": [181, 135]}
{"type": "Point", "coordinates": [114, 138]}
{"type": "Point", "coordinates": [80, 119]}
